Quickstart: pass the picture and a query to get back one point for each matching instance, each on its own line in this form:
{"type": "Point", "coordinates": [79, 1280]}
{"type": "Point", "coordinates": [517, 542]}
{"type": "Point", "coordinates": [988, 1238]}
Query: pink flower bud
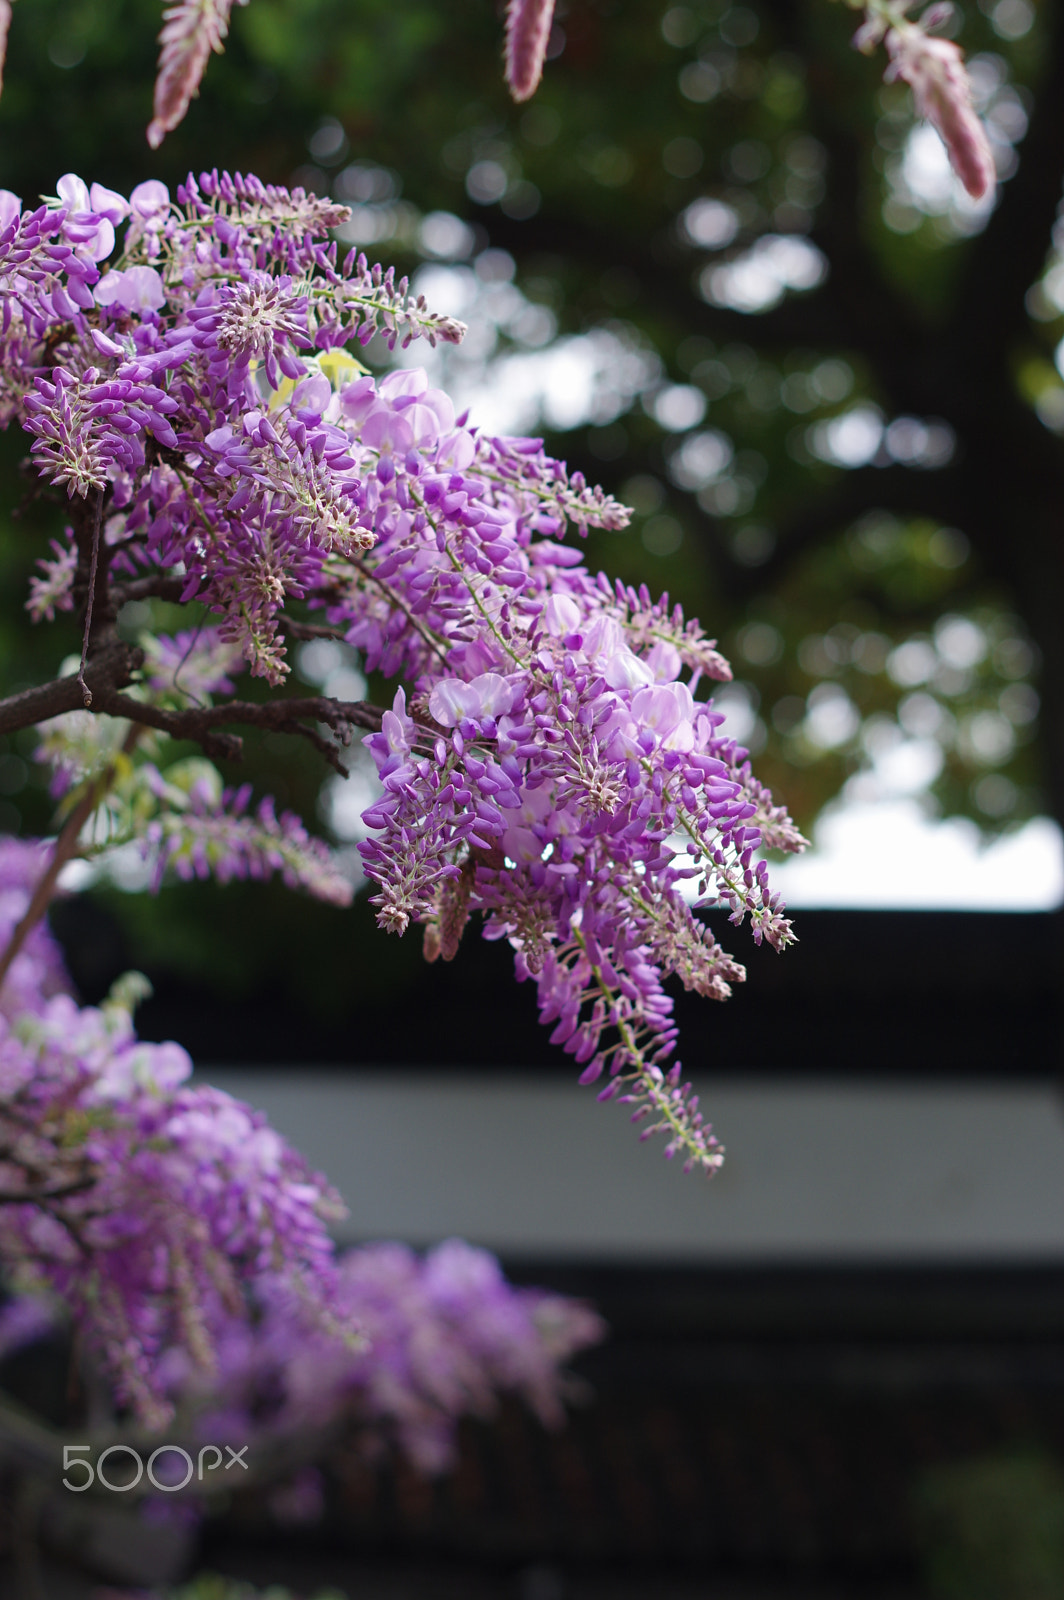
{"type": "Point", "coordinates": [934, 70]}
{"type": "Point", "coordinates": [5, 24]}
{"type": "Point", "coordinates": [191, 30]}
{"type": "Point", "coordinates": [869, 34]}
{"type": "Point", "coordinates": [527, 32]}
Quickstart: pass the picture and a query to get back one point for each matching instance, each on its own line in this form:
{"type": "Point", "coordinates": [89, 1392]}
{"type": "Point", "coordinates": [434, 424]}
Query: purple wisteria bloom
{"type": "Point", "coordinates": [550, 761]}
{"type": "Point", "coordinates": [442, 1335]}
{"type": "Point", "coordinates": [153, 1209]}
{"type": "Point", "coordinates": [190, 1243]}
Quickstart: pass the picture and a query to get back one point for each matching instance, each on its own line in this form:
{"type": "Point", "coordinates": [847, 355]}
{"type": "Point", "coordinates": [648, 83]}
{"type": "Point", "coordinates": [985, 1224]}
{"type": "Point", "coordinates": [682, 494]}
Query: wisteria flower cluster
{"type": "Point", "coordinates": [152, 1208]}
{"type": "Point", "coordinates": [189, 1243]}
{"type": "Point", "coordinates": [443, 1335]}
{"type": "Point", "coordinates": [547, 760]}
{"type": "Point", "coordinates": [934, 69]}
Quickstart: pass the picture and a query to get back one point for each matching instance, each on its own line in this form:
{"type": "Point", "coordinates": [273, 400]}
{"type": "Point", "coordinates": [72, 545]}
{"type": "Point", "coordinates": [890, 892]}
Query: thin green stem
{"type": "Point", "coordinates": [650, 1077]}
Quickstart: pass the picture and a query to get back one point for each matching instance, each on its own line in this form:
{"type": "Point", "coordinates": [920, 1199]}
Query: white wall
{"type": "Point", "coordinates": [829, 1172]}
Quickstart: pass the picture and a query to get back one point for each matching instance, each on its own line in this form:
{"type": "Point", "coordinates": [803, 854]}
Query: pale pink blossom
{"type": "Point", "coordinates": [150, 202]}
{"type": "Point", "coordinates": [562, 615]}
{"type": "Point", "coordinates": [85, 227]}
{"type": "Point", "coordinates": [106, 203]}
{"type": "Point", "coordinates": [664, 661]}
{"type": "Point", "coordinates": [488, 695]}
{"type": "Point", "coordinates": [137, 289]}
{"type": "Point", "coordinates": [668, 710]}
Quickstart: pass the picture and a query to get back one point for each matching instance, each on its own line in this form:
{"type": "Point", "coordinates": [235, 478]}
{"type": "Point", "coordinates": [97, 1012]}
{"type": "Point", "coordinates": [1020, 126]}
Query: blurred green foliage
{"type": "Point", "coordinates": [833, 463]}
{"type": "Point", "coordinates": [993, 1529]}
{"type": "Point", "coordinates": [213, 1586]}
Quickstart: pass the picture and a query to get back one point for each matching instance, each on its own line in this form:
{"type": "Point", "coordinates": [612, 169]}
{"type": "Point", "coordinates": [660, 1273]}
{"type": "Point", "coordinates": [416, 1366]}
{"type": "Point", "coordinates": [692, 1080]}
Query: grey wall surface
{"type": "Point", "coordinates": [824, 1172]}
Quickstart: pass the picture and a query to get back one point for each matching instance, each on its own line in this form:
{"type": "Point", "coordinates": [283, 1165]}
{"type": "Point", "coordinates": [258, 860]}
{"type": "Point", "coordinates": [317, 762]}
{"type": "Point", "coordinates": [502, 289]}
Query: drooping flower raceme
{"type": "Point", "coordinates": [189, 1243]}
{"type": "Point", "coordinates": [547, 760]}
{"type": "Point", "coordinates": [192, 29]}
{"type": "Point", "coordinates": [440, 1337]}
{"type": "Point", "coordinates": [152, 1208]}
{"type": "Point", "coordinates": [443, 1335]}
{"type": "Point", "coordinates": [528, 24]}
{"type": "Point", "coordinates": [935, 72]}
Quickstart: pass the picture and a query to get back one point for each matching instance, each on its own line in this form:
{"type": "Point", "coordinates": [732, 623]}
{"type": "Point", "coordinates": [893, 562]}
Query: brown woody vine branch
{"type": "Point", "coordinates": [297, 716]}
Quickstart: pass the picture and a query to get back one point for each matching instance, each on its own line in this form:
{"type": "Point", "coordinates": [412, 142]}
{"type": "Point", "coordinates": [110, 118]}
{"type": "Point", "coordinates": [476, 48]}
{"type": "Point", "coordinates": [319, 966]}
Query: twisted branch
{"type": "Point", "coordinates": [111, 669]}
{"type": "Point", "coordinates": [201, 723]}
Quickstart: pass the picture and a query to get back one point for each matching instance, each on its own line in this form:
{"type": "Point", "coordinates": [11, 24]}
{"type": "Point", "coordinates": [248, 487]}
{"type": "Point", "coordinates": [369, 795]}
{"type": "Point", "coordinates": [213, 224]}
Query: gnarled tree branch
{"type": "Point", "coordinates": [113, 668]}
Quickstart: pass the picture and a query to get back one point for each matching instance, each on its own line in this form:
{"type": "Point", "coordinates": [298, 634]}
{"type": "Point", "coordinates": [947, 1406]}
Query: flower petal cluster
{"type": "Point", "coordinates": [443, 1335]}
{"type": "Point", "coordinates": [553, 762]}
{"type": "Point", "coordinates": [52, 589]}
{"type": "Point", "coordinates": [153, 1208]}
{"type": "Point", "coordinates": [189, 1242]}
{"type": "Point", "coordinates": [934, 70]}
{"type": "Point", "coordinates": [47, 267]}
{"type": "Point", "coordinates": [192, 665]}
{"type": "Point", "coordinates": [550, 760]}
{"type": "Point", "coordinates": [201, 830]}
{"type": "Point", "coordinates": [188, 383]}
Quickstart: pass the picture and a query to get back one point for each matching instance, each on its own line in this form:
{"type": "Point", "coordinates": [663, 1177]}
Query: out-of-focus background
{"type": "Point", "coordinates": [719, 266]}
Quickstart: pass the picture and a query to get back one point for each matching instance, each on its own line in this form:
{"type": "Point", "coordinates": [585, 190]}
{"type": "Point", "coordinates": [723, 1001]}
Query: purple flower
{"type": "Point", "coordinates": [134, 291]}
{"type": "Point", "coordinates": [106, 203]}
{"type": "Point", "coordinates": [163, 1206]}
{"type": "Point", "coordinates": [53, 589]}
{"type": "Point", "coordinates": [150, 201]}
{"type": "Point", "coordinates": [547, 762]}
{"type": "Point", "coordinates": [192, 664]}
{"type": "Point", "coordinates": [90, 231]}
{"type": "Point", "coordinates": [442, 1337]}
{"type": "Point", "coordinates": [453, 700]}
{"type": "Point", "coordinates": [934, 69]}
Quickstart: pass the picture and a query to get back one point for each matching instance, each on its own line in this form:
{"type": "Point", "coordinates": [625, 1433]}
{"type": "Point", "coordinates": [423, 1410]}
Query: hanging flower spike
{"type": "Point", "coordinates": [52, 589]}
{"type": "Point", "coordinates": [545, 758]}
{"type": "Point", "coordinates": [942, 90]}
{"type": "Point", "coordinates": [528, 25]}
{"type": "Point", "coordinates": [191, 30]}
{"type": "Point", "coordinates": [934, 70]}
{"type": "Point", "coordinates": [5, 24]}
{"type": "Point", "coordinates": [443, 1336]}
